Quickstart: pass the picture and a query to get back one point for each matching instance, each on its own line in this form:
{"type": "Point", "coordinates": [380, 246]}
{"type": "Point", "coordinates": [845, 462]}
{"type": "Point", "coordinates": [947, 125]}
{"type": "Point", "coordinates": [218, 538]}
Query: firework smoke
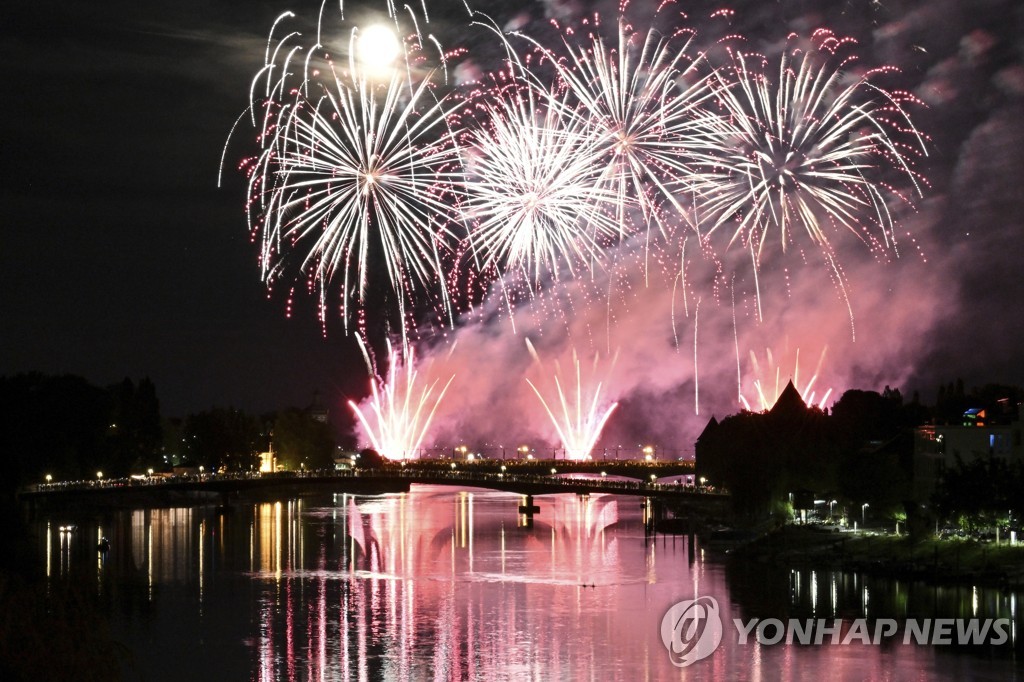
{"type": "Point", "coordinates": [554, 176]}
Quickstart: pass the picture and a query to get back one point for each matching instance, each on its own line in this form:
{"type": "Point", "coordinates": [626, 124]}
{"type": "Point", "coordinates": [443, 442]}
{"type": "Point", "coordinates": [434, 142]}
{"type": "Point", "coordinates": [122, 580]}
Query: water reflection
{"type": "Point", "coordinates": [447, 584]}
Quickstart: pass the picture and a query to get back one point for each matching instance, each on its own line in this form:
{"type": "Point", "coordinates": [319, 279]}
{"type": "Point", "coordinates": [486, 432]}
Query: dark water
{"type": "Point", "coordinates": [443, 584]}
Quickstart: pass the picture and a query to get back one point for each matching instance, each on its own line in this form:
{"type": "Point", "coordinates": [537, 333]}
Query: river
{"type": "Point", "coordinates": [448, 584]}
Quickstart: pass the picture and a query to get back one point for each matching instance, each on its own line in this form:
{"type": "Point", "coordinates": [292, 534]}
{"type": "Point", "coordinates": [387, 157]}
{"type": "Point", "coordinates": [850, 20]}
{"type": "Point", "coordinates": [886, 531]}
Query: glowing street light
{"type": "Point", "coordinates": [648, 453]}
{"type": "Point", "coordinates": [49, 479]}
{"type": "Point", "coordinates": [863, 512]}
{"type": "Point", "coordinates": [99, 475]}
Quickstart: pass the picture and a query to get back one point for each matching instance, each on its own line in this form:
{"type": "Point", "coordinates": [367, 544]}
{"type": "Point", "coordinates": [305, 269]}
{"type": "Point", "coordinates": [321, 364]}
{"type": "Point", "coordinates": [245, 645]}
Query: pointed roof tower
{"type": "Point", "coordinates": [789, 402]}
{"type": "Point", "coordinates": [711, 426]}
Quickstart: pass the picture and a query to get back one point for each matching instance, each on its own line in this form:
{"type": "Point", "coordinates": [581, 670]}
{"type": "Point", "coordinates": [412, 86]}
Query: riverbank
{"type": "Point", "coordinates": [954, 561]}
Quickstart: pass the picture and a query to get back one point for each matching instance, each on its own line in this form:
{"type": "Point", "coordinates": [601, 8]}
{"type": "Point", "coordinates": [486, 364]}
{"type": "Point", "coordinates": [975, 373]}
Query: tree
{"type": "Point", "coordinates": [135, 434]}
{"type": "Point", "coordinates": [301, 441]}
{"type": "Point", "coordinates": [52, 425]}
{"type": "Point", "coordinates": [981, 492]}
{"type": "Point", "coordinates": [221, 437]}
{"type": "Point", "coordinates": [369, 459]}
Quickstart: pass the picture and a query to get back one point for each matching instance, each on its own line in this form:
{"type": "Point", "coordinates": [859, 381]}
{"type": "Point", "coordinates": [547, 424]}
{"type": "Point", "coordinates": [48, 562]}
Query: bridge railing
{"type": "Point", "coordinates": [438, 474]}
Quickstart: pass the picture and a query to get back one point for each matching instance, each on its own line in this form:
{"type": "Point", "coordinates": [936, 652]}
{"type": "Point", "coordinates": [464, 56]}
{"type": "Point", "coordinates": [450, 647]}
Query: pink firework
{"type": "Point", "coordinates": [579, 413]}
{"type": "Point", "coordinates": [397, 416]}
{"type": "Point", "coordinates": [768, 379]}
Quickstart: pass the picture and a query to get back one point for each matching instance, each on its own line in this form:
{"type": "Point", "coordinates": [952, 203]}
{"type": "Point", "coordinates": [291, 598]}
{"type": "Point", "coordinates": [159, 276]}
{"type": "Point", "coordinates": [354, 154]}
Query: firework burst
{"type": "Point", "coordinates": [358, 167]}
{"type": "Point", "coordinates": [534, 202]}
{"type": "Point", "coordinates": [643, 97]}
{"type": "Point", "coordinates": [815, 147]}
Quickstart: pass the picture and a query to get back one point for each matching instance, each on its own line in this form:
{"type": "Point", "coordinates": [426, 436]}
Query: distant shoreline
{"type": "Point", "coordinates": [952, 562]}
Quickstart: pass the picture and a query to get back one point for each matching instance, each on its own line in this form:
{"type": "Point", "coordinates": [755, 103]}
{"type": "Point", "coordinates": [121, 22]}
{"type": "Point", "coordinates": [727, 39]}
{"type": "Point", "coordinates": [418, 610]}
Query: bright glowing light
{"type": "Point", "coordinates": [412, 198]}
{"type": "Point", "coordinates": [401, 409]}
{"type": "Point", "coordinates": [378, 50]}
{"type": "Point", "coordinates": [582, 412]}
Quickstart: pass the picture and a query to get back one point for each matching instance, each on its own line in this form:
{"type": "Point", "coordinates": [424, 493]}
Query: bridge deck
{"type": "Point", "coordinates": [224, 488]}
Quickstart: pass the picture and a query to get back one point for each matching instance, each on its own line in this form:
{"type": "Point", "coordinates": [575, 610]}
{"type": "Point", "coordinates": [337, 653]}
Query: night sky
{"type": "Point", "coordinates": [122, 257]}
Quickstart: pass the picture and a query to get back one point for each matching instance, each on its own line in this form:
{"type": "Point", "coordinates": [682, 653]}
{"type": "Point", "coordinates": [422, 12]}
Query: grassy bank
{"type": "Point", "coordinates": [938, 561]}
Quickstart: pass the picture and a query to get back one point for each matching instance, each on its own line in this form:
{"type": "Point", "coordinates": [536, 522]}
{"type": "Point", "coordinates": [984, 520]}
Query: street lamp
{"type": "Point", "coordinates": [863, 513]}
{"type": "Point", "coordinates": [99, 476]}
{"type": "Point", "coordinates": [648, 453]}
{"type": "Point", "coordinates": [49, 478]}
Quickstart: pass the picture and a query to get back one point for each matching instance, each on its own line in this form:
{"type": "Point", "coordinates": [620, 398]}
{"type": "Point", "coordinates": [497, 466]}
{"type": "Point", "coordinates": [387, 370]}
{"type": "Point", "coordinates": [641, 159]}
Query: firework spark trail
{"type": "Point", "coordinates": [767, 381]}
{"type": "Point", "coordinates": [807, 150]}
{"type": "Point", "coordinates": [582, 415]}
{"type": "Point", "coordinates": [401, 407]}
{"type": "Point", "coordinates": [644, 101]}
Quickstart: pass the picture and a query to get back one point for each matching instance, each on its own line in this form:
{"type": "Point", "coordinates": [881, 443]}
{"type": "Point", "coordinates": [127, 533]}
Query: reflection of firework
{"type": "Point", "coordinates": [401, 409]}
{"type": "Point", "coordinates": [769, 381]}
{"type": "Point", "coordinates": [809, 149]}
{"type": "Point", "coordinates": [581, 415]}
{"type": "Point", "coordinates": [354, 167]}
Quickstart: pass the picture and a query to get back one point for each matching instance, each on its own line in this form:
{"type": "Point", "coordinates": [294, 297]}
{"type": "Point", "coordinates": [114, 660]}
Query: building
{"type": "Point", "coordinates": [937, 447]}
